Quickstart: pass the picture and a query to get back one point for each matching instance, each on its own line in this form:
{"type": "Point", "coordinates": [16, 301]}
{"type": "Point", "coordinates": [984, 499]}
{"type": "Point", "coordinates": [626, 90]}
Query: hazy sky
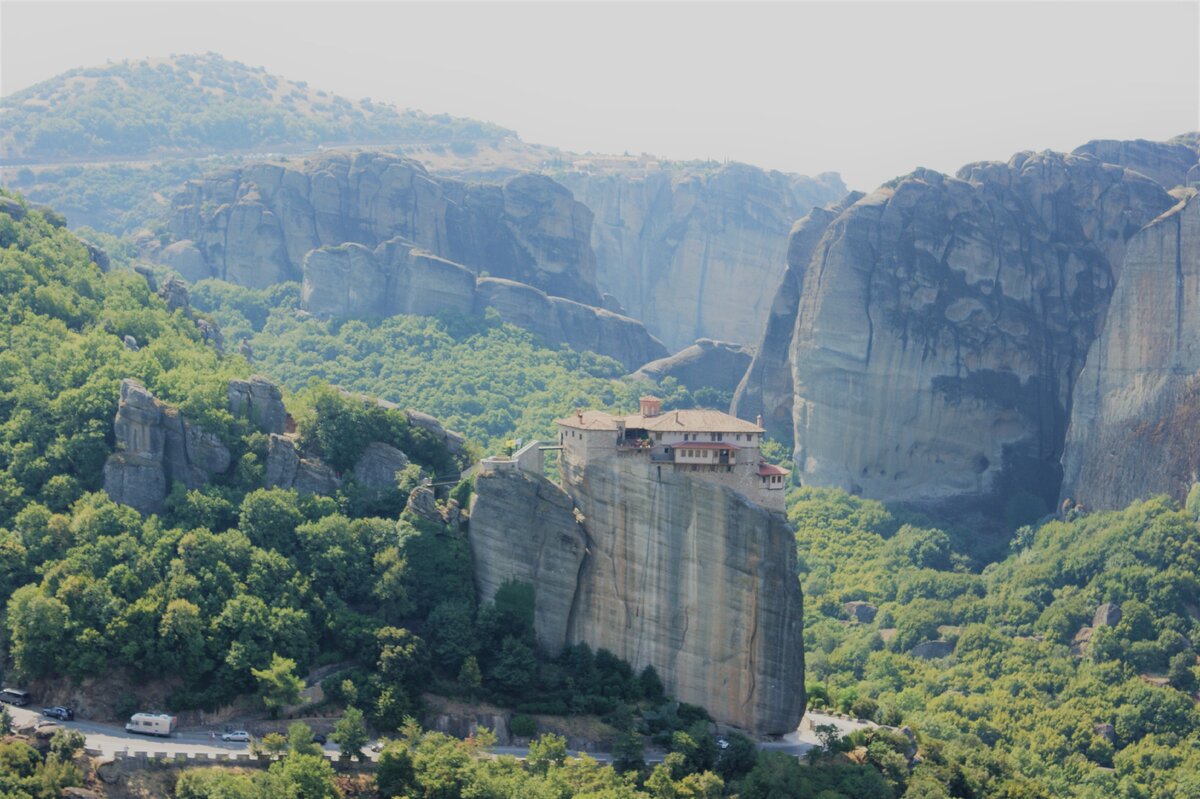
{"type": "Point", "coordinates": [871, 90]}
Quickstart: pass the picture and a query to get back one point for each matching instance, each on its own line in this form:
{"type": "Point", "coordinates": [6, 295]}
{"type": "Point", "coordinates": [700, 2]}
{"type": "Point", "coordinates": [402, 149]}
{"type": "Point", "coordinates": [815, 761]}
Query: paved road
{"type": "Point", "coordinates": [112, 739]}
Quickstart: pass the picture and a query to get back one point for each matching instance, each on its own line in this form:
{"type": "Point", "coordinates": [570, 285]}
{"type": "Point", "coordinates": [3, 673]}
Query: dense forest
{"type": "Point", "coordinates": [1022, 707]}
{"type": "Point", "coordinates": [202, 104]}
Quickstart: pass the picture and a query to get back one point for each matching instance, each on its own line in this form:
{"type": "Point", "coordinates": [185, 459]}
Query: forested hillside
{"type": "Point", "coordinates": [1025, 705]}
{"type": "Point", "coordinates": [199, 104]}
{"type": "Point", "coordinates": [235, 591]}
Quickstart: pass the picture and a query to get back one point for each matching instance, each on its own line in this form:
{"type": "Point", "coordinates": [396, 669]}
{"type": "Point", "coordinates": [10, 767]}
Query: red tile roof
{"type": "Point", "coordinates": [767, 469]}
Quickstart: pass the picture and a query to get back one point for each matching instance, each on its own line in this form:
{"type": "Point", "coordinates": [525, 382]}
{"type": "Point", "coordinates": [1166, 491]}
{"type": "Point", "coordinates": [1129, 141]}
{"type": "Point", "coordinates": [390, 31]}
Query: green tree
{"type": "Point", "coordinates": [350, 734]}
{"type": "Point", "coordinates": [469, 676]}
{"type": "Point", "coordinates": [395, 773]}
{"type": "Point", "coordinates": [299, 775]}
{"type": "Point", "coordinates": [275, 743]}
{"type": "Point", "coordinates": [515, 668]}
{"type": "Point", "coordinates": [450, 630]}
{"type": "Point", "coordinates": [300, 739]}
{"type": "Point", "coordinates": [629, 752]}
{"type": "Point", "coordinates": [278, 684]}
{"type": "Point", "coordinates": [545, 751]}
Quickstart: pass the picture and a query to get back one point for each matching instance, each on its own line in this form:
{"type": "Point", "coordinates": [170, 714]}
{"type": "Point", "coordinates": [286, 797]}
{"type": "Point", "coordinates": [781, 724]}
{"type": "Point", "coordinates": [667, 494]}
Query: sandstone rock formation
{"type": "Point", "coordinates": [932, 650]}
{"type": "Point", "coordinates": [523, 527]}
{"type": "Point", "coordinates": [377, 466]}
{"type": "Point", "coordinates": [561, 321]}
{"type": "Point", "coordinates": [253, 225]}
{"type": "Point", "coordinates": [156, 447]}
{"type": "Point", "coordinates": [260, 401]}
{"type": "Point", "coordinates": [694, 579]}
{"type": "Point", "coordinates": [696, 253]}
{"type": "Point", "coordinates": [685, 575]}
{"type": "Point", "coordinates": [394, 278]}
{"type": "Point", "coordinates": [1136, 412]}
{"type": "Point", "coordinates": [287, 467]}
{"type": "Point", "coordinates": [1167, 163]}
{"type": "Point", "coordinates": [398, 278]}
{"type": "Point", "coordinates": [940, 324]}
{"type": "Point", "coordinates": [766, 388]}
{"type": "Point", "coordinates": [719, 365]}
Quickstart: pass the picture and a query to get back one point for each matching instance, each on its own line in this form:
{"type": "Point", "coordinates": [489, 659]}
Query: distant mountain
{"type": "Point", "coordinates": [194, 104]}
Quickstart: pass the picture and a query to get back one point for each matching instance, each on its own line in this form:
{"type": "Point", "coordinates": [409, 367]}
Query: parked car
{"type": "Point", "coordinates": [722, 743]}
{"type": "Point", "coordinates": [14, 696]}
{"type": "Point", "coordinates": [237, 736]}
{"type": "Point", "coordinates": [320, 738]}
{"type": "Point", "coordinates": [59, 712]}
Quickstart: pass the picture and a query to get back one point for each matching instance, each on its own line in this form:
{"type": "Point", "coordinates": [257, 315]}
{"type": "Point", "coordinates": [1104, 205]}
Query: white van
{"type": "Point", "coordinates": [151, 724]}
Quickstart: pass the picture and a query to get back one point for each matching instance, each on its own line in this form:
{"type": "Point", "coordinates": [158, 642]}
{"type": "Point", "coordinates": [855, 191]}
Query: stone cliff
{"type": "Point", "coordinates": [696, 254]}
{"type": "Point", "coordinates": [156, 447]}
{"type": "Point", "coordinates": [398, 278]}
{"type": "Point", "coordinates": [1135, 421]}
{"type": "Point", "coordinates": [253, 225]}
{"type": "Point", "coordinates": [939, 324]}
{"type": "Point", "coordinates": [765, 388]}
{"type": "Point", "coordinates": [1168, 163]}
{"type": "Point", "coordinates": [685, 575]}
{"type": "Point", "coordinates": [523, 527]}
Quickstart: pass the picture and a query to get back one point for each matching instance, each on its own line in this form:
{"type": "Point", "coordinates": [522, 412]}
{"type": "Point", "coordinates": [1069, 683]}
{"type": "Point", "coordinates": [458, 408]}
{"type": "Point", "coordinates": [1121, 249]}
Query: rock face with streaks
{"type": "Point", "coordinates": [288, 467]}
{"type": "Point", "coordinates": [253, 225]}
{"type": "Point", "coordinates": [1135, 422]}
{"type": "Point", "coordinates": [156, 447]}
{"type": "Point", "coordinates": [688, 576]}
{"type": "Point", "coordinates": [939, 326]}
{"type": "Point", "coordinates": [766, 389]}
{"type": "Point", "coordinates": [523, 527]}
{"type": "Point", "coordinates": [1168, 163]}
{"type": "Point", "coordinates": [260, 401]}
{"type": "Point", "coordinates": [718, 365]}
{"type": "Point", "coordinates": [398, 278]}
{"type": "Point", "coordinates": [696, 254]}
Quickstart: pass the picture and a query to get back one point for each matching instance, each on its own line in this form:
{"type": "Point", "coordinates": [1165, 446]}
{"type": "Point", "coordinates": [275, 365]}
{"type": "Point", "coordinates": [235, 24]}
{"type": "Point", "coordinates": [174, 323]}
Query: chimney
{"type": "Point", "coordinates": [759, 420]}
{"type": "Point", "coordinates": [579, 413]}
{"type": "Point", "coordinates": [650, 406]}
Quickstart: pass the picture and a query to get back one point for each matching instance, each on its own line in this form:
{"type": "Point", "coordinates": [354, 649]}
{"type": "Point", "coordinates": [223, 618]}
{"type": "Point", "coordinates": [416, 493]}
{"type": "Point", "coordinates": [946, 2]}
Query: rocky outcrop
{"type": "Point", "coordinates": [287, 467]}
{"type": "Point", "coordinates": [1135, 421]}
{"type": "Point", "coordinates": [157, 447]}
{"type": "Point", "coordinates": [377, 466]}
{"type": "Point", "coordinates": [718, 365]}
{"type": "Point", "coordinates": [524, 528]}
{"type": "Point", "coordinates": [932, 650]}
{"type": "Point", "coordinates": [394, 278]}
{"type": "Point", "coordinates": [696, 253]}
{"type": "Point", "coordinates": [766, 388]}
{"type": "Point", "coordinates": [253, 225]}
{"type": "Point", "coordinates": [684, 575]}
{"type": "Point", "coordinates": [691, 577]}
{"type": "Point", "coordinates": [940, 324]}
{"type": "Point", "coordinates": [1167, 163]}
{"type": "Point", "coordinates": [397, 278]}
{"type": "Point", "coordinates": [1107, 615]}
{"type": "Point", "coordinates": [559, 321]}
{"type": "Point", "coordinates": [260, 401]}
